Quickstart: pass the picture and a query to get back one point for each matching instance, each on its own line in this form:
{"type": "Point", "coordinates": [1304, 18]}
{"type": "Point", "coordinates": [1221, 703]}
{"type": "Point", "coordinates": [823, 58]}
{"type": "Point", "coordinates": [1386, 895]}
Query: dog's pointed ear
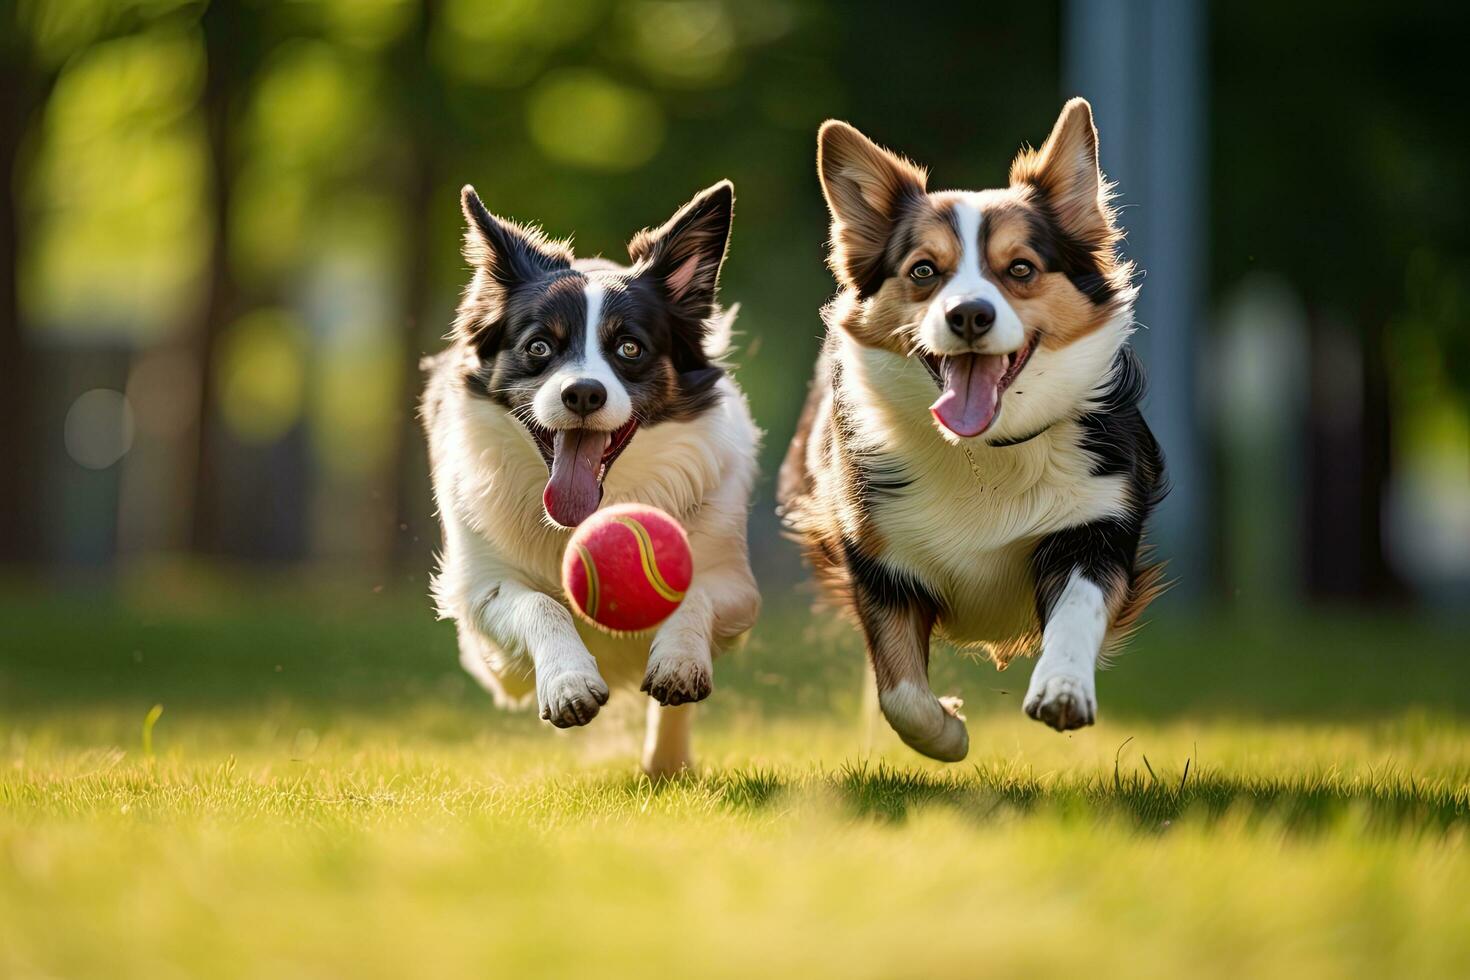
{"type": "Point", "coordinates": [867, 188]}
{"type": "Point", "coordinates": [504, 255]}
{"type": "Point", "coordinates": [510, 253]}
{"type": "Point", "coordinates": [1066, 173]}
{"type": "Point", "coordinates": [682, 257]}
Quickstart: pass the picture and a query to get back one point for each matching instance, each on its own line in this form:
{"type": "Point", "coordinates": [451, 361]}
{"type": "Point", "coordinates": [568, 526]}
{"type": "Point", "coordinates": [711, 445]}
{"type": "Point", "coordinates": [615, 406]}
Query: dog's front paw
{"type": "Point", "coordinates": [571, 698]}
{"type": "Point", "coordinates": [1062, 700]}
{"type": "Point", "coordinates": [675, 680]}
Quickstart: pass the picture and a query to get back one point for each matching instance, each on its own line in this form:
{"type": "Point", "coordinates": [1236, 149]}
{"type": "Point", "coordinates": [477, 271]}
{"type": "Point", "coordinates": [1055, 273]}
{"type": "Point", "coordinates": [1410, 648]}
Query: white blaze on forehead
{"type": "Point", "coordinates": [592, 364]}
{"type": "Point", "coordinates": [594, 292]}
{"type": "Point", "coordinates": [969, 281]}
{"type": "Point", "coordinates": [967, 278]}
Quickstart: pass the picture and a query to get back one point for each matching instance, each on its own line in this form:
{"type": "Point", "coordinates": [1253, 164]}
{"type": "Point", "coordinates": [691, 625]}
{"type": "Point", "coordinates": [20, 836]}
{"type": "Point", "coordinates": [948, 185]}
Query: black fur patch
{"type": "Point", "coordinates": [901, 241]}
{"type": "Point", "coordinates": [681, 382]}
{"type": "Point", "coordinates": [1061, 252]}
{"type": "Point", "coordinates": [551, 307]}
{"type": "Point", "coordinates": [510, 253]}
{"type": "Point", "coordinates": [1103, 552]}
{"type": "Point", "coordinates": [876, 585]}
{"type": "Point", "coordinates": [869, 475]}
{"type": "Point", "coordinates": [1017, 440]}
{"type": "Point", "coordinates": [1120, 444]}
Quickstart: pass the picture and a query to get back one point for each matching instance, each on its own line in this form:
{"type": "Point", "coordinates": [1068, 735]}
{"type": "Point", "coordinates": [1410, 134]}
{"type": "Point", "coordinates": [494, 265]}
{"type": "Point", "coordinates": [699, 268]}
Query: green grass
{"type": "Point", "coordinates": [326, 795]}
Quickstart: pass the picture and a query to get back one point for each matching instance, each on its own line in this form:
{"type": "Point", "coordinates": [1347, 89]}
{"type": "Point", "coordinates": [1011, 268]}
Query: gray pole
{"type": "Point", "coordinates": [1141, 64]}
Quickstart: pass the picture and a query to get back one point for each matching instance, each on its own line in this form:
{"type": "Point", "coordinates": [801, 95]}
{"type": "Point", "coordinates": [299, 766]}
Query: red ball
{"type": "Point", "coordinates": [626, 568]}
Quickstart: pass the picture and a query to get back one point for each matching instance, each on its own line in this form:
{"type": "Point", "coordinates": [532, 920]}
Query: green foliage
{"type": "Point", "coordinates": [119, 188]}
{"type": "Point", "coordinates": [580, 117]}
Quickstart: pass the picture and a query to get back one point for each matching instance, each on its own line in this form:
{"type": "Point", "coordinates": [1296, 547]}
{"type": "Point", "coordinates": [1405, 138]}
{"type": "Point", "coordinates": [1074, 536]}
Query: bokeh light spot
{"type": "Point", "coordinates": [506, 43]}
{"type": "Point", "coordinates": [262, 370]}
{"type": "Point", "coordinates": [582, 117]}
{"type": "Point", "coordinates": [682, 42]}
{"type": "Point", "coordinates": [99, 428]}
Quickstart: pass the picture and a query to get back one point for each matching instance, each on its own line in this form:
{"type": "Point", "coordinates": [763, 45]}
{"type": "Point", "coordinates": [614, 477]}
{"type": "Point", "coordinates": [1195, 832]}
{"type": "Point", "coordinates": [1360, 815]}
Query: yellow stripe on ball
{"type": "Point", "coordinates": [650, 566]}
{"type": "Point", "coordinates": [590, 570]}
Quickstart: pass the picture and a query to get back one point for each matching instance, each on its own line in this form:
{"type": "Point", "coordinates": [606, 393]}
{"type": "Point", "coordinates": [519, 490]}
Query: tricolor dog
{"type": "Point", "coordinates": [972, 461]}
{"type": "Point", "coordinates": [569, 383]}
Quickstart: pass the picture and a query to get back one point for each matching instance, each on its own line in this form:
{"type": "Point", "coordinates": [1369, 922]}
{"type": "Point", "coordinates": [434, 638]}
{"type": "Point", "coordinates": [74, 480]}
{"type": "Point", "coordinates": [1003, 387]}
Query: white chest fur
{"type": "Point", "coordinates": [493, 476]}
{"type": "Point", "coordinates": [970, 515]}
{"type": "Point", "coordinates": [488, 479]}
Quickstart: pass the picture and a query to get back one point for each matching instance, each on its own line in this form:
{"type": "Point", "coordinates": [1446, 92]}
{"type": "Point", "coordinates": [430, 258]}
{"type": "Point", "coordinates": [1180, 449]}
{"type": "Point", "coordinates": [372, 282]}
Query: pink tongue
{"type": "Point", "coordinates": [574, 491]}
{"type": "Point", "coordinates": [971, 392]}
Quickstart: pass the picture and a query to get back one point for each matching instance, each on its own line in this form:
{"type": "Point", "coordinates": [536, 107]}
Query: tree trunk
{"type": "Point", "coordinates": [1380, 582]}
{"type": "Point", "coordinates": [1349, 464]}
{"type": "Point", "coordinates": [22, 92]}
{"type": "Point", "coordinates": [420, 108]}
{"type": "Point", "coordinates": [219, 24]}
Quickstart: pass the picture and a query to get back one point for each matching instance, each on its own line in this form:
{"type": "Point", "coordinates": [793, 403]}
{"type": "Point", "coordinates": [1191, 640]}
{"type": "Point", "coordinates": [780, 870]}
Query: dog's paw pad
{"type": "Point", "coordinates": [1062, 701]}
{"type": "Point", "coordinates": [677, 680]}
{"type": "Point", "coordinates": [572, 698]}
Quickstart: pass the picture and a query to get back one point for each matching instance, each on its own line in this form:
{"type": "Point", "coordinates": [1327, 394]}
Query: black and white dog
{"type": "Point", "coordinates": [568, 382]}
{"type": "Point", "coordinates": [972, 459]}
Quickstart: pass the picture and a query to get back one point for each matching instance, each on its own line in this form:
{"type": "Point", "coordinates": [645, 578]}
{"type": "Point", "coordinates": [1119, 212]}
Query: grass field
{"type": "Point", "coordinates": [324, 794]}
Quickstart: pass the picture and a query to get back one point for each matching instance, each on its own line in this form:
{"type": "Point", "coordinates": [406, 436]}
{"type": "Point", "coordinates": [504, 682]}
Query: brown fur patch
{"type": "Point", "coordinates": [890, 318]}
{"type": "Point", "coordinates": [1066, 171]}
{"type": "Point", "coordinates": [1148, 584]}
{"type": "Point", "coordinates": [1064, 184]}
{"type": "Point", "coordinates": [1048, 302]}
{"type": "Point", "coordinates": [898, 643]}
{"type": "Point", "coordinates": [867, 188]}
{"type": "Point", "coordinates": [1002, 652]}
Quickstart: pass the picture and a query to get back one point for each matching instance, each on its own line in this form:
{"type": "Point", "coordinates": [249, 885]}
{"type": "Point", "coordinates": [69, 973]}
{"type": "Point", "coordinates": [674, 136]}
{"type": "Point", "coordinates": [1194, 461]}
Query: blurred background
{"type": "Point", "coordinates": [229, 229]}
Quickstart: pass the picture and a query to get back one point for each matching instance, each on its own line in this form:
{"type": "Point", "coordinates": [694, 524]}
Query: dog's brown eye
{"type": "Point", "coordinates": [922, 271]}
{"type": "Point", "coordinates": [538, 348]}
{"type": "Point", "coordinates": [1021, 269]}
{"type": "Point", "coordinates": [630, 350]}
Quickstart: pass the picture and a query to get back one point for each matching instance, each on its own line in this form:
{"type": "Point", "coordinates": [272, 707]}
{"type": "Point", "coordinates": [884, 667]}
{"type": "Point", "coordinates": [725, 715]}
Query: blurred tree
{"type": "Point", "coordinates": [233, 48]}
{"type": "Point", "coordinates": [425, 131]}
{"type": "Point", "coordinates": [36, 40]}
{"type": "Point", "coordinates": [24, 84]}
{"type": "Point", "coordinates": [339, 131]}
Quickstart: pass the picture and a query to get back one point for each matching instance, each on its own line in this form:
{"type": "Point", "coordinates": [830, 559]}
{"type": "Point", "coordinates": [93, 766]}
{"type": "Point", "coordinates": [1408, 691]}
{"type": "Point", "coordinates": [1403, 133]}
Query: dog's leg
{"type": "Point", "coordinates": [569, 689]}
{"type": "Point", "coordinates": [721, 603]}
{"type": "Point", "coordinates": [1062, 692]}
{"type": "Point", "coordinates": [680, 661]}
{"type": "Point", "coordinates": [666, 746]}
{"type": "Point", "coordinates": [1083, 579]}
{"type": "Point", "coordinates": [897, 633]}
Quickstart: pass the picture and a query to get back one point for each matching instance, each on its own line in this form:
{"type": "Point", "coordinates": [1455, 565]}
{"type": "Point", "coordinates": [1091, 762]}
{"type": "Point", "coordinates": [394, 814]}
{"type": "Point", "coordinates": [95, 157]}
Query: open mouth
{"type": "Point", "coordinates": [970, 387]}
{"type": "Point", "coordinates": [579, 461]}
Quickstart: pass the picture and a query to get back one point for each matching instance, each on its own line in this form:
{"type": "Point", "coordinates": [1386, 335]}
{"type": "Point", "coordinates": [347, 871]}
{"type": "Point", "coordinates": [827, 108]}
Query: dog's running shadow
{"type": "Point", "coordinates": [1145, 800]}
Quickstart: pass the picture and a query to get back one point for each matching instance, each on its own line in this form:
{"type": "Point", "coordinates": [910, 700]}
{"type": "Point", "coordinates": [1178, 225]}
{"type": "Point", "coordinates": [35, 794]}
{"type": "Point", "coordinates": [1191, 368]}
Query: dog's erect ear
{"type": "Point", "coordinates": [510, 253]}
{"type": "Point", "coordinates": [682, 257]}
{"type": "Point", "coordinates": [1065, 170]}
{"type": "Point", "coordinates": [867, 188]}
{"type": "Point", "coordinates": [504, 255]}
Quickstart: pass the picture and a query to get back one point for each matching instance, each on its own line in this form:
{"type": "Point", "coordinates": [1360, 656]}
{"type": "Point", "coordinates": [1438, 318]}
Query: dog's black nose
{"type": "Point", "coordinates": [583, 396]}
{"type": "Point", "coordinates": [969, 318]}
